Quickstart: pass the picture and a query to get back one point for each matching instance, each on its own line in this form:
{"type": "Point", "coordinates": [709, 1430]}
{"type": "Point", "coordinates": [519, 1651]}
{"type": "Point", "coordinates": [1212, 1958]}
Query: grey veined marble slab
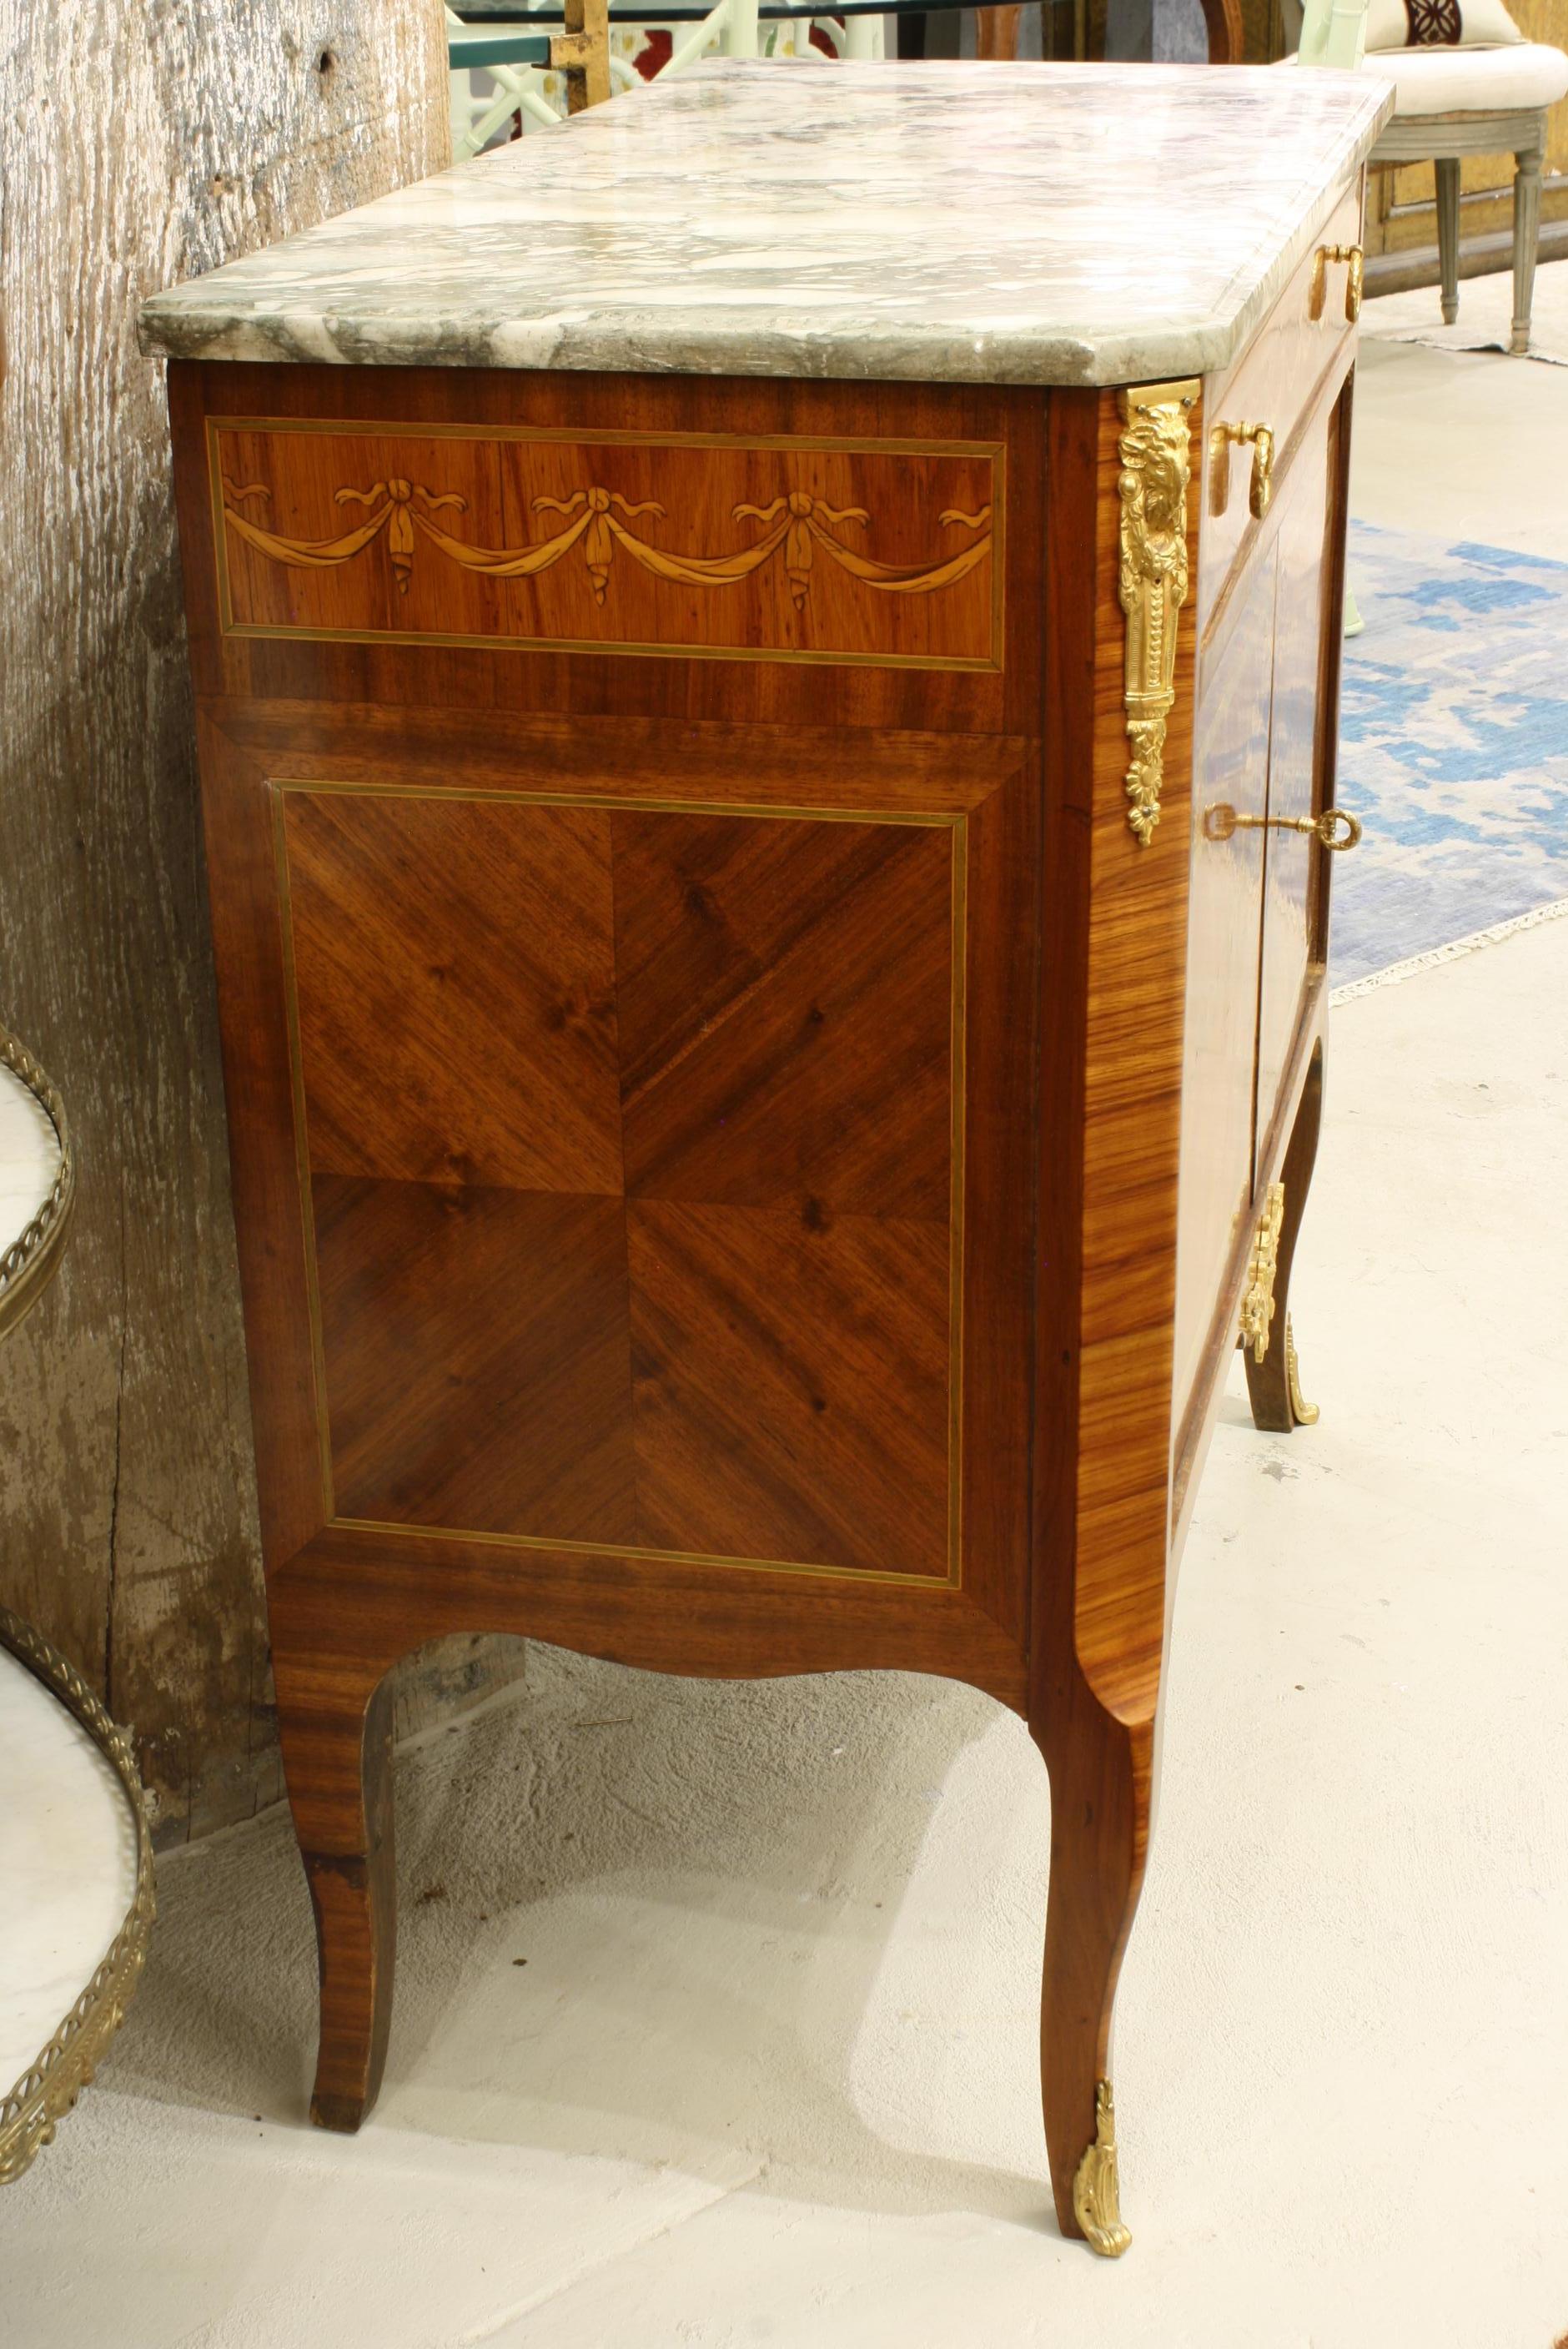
{"type": "Point", "coordinates": [942, 222]}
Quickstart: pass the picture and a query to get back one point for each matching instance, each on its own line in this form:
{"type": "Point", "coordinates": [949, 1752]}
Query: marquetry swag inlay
{"type": "Point", "coordinates": [794, 525]}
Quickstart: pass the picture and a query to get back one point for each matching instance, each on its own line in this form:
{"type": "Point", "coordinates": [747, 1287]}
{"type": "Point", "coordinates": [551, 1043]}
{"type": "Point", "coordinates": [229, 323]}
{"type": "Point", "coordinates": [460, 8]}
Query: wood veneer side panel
{"type": "Point", "coordinates": [354, 1602]}
{"type": "Point", "coordinates": [991, 781]}
{"type": "Point", "coordinates": [1068, 722]}
{"type": "Point", "coordinates": [249, 950]}
{"type": "Point", "coordinates": [690, 761]}
{"type": "Point", "coordinates": [1134, 1011]}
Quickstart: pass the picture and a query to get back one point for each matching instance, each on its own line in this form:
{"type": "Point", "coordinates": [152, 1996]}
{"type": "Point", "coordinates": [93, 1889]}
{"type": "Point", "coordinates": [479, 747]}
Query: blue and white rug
{"type": "Point", "coordinates": [1453, 746]}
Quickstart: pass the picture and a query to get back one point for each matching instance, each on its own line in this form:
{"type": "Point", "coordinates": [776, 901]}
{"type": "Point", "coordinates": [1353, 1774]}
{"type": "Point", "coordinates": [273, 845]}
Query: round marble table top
{"type": "Point", "coordinates": [37, 1182]}
{"type": "Point", "coordinates": [75, 1857]}
{"type": "Point", "coordinates": [29, 1156]}
{"type": "Point", "coordinates": [68, 1864]}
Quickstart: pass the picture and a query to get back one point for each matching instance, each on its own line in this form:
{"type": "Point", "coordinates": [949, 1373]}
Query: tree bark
{"type": "Point", "coordinates": [143, 144]}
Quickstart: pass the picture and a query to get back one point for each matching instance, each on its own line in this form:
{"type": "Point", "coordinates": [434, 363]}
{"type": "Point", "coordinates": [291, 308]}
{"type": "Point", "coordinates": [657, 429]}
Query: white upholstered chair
{"type": "Point", "coordinates": [1466, 82]}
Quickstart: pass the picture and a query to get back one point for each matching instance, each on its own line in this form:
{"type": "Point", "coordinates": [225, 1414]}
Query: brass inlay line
{"type": "Point", "coordinates": [1155, 450]}
{"type": "Point", "coordinates": [302, 1156]}
{"type": "Point", "coordinates": [588, 436]}
{"type": "Point", "coordinates": [788, 656]}
{"type": "Point", "coordinates": [278, 787]}
{"type": "Point", "coordinates": [402, 1527]}
{"type": "Point", "coordinates": [28, 1262]}
{"type": "Point", "coordinates": [930, 821]}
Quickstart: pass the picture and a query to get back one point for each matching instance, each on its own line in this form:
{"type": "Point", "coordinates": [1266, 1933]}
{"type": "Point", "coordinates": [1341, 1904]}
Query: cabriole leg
{"type": "Point", "coordinates": [1100, 1778]}
{"type": "Point", "coordinates": [339, 1770]}
{"type": "Point", "coordinates": [1273, 1385]}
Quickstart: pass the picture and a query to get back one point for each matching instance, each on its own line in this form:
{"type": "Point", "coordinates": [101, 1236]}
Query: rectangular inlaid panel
{"type": "Point", "coordinates": [719, 546]}
{"type": "Point", "coordinates": [628, 1138]}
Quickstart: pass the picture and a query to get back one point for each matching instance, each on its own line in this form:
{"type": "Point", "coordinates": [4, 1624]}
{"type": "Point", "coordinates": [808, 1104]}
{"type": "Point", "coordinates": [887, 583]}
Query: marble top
{"type": "Point", "coordinates": [937, 222]}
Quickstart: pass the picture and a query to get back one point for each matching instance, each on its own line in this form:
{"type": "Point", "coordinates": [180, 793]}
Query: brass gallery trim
{"type": "Point", "coordinates": [359, 428]}
{"type": "Point", "coordinates": [278, 787]}
{"type": "Point", "coordinates": [973, 664]}
{"type": "Point", "coordinates": [383, 1526]}
{"type": "Point", "coordinates": [1156, 453]}
{"type": "Point", "coordinates": [48, 2089]}
{"type": "Point", "coordinates": [794, 525]}
{"type": "Point", "coordinates": [343, 784]}
{"type": "Point", "coordinates": [29, 1263]}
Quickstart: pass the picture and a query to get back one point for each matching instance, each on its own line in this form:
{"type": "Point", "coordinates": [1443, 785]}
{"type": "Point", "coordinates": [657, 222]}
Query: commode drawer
{"type": "Point", "coordinates": [684, 545]}
{"type": "Point", "coordinates": [1271, 389]}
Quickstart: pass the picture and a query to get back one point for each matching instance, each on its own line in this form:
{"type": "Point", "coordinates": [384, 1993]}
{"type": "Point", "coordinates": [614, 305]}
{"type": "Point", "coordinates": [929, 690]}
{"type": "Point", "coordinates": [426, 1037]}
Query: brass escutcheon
{"type": "Point", "coordinates": [1356, 271]}
{"type": "Point", "coordinates": [1263, 446]}
{"type": "Point", "coordinates": [1335, 828]}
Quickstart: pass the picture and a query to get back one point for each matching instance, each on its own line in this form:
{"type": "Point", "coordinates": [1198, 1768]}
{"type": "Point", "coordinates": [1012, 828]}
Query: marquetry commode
{"type": "Point", "coordinates": [767, 671]}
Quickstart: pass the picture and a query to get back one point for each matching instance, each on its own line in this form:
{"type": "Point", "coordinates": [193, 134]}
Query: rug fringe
{"type": "Point", "coordinates": [1397, 971]}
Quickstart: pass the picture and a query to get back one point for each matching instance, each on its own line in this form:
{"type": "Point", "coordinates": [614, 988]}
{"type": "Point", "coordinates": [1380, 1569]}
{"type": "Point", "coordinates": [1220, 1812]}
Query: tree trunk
{"type": "Point", "coordinates": [144, 143]}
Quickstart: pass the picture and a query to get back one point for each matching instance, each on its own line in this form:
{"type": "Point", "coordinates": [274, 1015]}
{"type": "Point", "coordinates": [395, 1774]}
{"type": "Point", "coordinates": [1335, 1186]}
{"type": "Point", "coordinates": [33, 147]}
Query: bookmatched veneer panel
{"type": "Point", "coordinates": [635, 1139]}
{"type": "Point", "coordinates": [454, 972]}
{"type": "Point", "coordinates": [786, 1010]}
{"type": "Point", "coordinates": [476, 1349]}
{"type": "Point", "coordinates": [794, 1388]}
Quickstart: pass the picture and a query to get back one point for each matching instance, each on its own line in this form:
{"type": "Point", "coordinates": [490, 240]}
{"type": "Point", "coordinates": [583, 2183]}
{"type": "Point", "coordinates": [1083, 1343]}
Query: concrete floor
{"type": "Point", "coordinates": [1460, 444]}
{"type": "Point", "coordinates": [767, 2071]}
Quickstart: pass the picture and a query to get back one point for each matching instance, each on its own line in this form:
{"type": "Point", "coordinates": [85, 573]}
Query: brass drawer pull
{"type": "Point", "coordinates": [1262, 443]}
{"type": "Point", "coordinates": [1355, 260]}
{"type": "Point", "coordinates": [1336, 828]}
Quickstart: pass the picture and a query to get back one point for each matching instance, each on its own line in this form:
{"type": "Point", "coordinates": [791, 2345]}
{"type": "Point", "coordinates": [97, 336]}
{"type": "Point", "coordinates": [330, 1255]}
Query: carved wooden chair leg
{"type": "Point", "coordinates": [344, 1830]}
{"type": "Point", "coordinates": [1447, 172]}
{"type": "Point", "coordinates": [1100, 1772]}
{"type": "Point", "coordinates": [1274, 1386]}
{"type": "Point", "coordinates": [1526, 240]}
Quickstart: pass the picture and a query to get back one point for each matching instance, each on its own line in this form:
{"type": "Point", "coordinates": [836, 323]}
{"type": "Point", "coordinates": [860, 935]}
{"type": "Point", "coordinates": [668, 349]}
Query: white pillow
{"type": "Point", "coordinates": [1438, 24]}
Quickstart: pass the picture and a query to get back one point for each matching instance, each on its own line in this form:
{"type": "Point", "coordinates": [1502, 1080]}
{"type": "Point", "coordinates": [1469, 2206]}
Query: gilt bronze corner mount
{"type": "Point", "coordinates": [1156, 453]}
